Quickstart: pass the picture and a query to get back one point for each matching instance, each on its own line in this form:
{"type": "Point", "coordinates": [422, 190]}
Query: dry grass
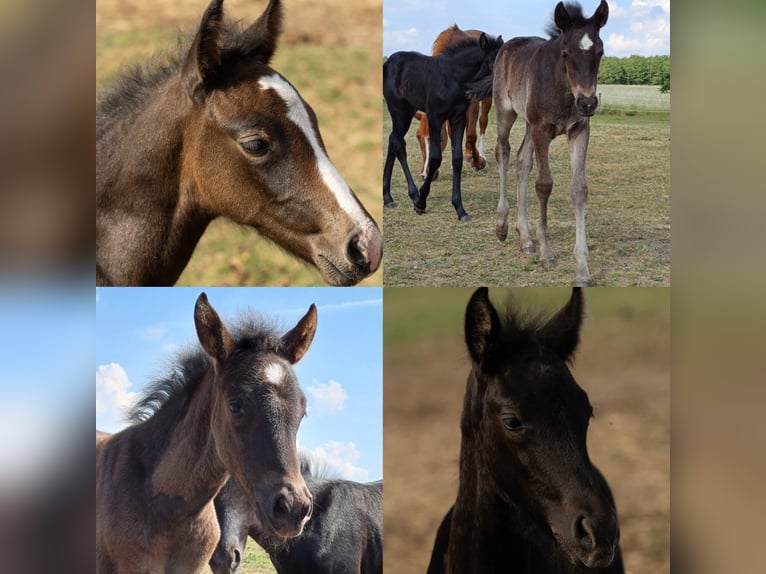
{"type": "Point", "coordinates": [330, 51]}
{"type": "Point", "coordinates": [628, 215]}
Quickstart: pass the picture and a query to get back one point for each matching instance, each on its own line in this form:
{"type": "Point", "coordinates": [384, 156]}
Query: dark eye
{"type": "Point", "coordinates": [513, 423]}
{"type": "Point", "coordinates": [235, 407]}
{"type": "Point", "coordinates": [257, 147]}
{"type": "Point", "coordinates": [564, 54]}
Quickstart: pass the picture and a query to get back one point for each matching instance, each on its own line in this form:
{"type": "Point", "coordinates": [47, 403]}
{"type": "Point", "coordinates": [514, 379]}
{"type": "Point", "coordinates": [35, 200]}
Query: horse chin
{"type": "Point", "coordinates": [336, 273]}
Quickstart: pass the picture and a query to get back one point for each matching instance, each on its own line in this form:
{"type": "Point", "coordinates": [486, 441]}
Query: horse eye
{"type": "Point", "coordinates": [256, 147]}
{"type": "Point", "coordinates": [513, 423]}
{"type": "Point", "coordinates": [235, 407]}
{"type": "Point", "coordinates": [564, 54]}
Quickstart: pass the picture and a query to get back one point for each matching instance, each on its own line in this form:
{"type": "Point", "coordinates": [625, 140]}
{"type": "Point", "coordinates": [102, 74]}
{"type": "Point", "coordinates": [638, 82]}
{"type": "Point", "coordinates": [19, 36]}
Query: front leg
{"type": "Point", "coordinates": [434, 161]}
{"type": "Point", "coordinates": [458, 128]}
{"type": "Point", "coordinates": [578, 192]}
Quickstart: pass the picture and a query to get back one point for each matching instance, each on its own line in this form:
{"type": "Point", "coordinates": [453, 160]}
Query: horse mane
{"type": "Point", "coordinates": [465, 44]}
{"type": "Point", "coordinates": [575, 15]}
{"type": "Point", "coordinates": [252, 332]}
{"type": "Point", "coordinates": [313, 465]}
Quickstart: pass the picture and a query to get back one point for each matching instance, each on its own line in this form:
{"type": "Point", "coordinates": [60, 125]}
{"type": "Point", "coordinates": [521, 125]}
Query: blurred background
{"type": "Point", "coordinates": [623, 363]}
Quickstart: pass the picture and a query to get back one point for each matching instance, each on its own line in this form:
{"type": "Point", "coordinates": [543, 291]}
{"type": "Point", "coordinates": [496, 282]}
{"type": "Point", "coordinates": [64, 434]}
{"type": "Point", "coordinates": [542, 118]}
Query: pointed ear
{"type": "Point", "coordinates": [481, 325]}
{"type": "Point", "coordinates": [483, 41]}
{"type": "Point", "coordinates": [562, 332]}
{"type": "Point", "coordinates": [601, 14]}
{"type": "Point", "coordinates": [213, 336]}
{"type": "Point", "coordinates": [297, 340]}
{"type": "Point", "coordinates": [260, 39]}
{"type": "Point", "coordinates": [204, 59]}
{"type": "Point", "coordinates": [561, 16]}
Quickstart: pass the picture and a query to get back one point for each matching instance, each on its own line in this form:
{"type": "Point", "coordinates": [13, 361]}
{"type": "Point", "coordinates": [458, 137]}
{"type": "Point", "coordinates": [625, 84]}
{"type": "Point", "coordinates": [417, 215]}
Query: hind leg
{"type": "Point", "coordinates": [486, 105]}
{"type": "Point", "coordinates": [471, 118]}
{"type": "Point", "coordinates": [578, 193]}
{"type": "Point", "coordinates": [401, 118]}
{"type": "Point", "coordinates": [523, 167]}
{"type": "Point", "coordinates": [541, 140]}
{"type": "Point", "coordinates": [458, 126]}
{"type": "Point", "coordinates": [434, 161]}
{"type": "Point", "coordinates": [423, 140]}
{"type": "Point", "coordinates": [505, 119]}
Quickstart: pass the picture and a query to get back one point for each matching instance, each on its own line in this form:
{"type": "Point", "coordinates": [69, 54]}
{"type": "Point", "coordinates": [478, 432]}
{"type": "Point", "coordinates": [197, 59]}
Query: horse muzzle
{"type": "Point", "coordinates": [586, 105]}
{"type": "Point", "coordinates": [289, 511]}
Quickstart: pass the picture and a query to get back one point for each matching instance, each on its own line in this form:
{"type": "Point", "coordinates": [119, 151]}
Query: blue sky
{"type": "Point", "coordinates": [639, 27]}
{"type": "Point", "coordinates": [139, 330]}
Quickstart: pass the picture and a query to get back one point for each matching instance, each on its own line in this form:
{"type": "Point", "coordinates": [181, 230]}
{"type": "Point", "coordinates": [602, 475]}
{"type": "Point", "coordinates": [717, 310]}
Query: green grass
{"type": "Point", "coordinates": [255, 560]}
{"type": "Point", "coordinates": [627, 218]}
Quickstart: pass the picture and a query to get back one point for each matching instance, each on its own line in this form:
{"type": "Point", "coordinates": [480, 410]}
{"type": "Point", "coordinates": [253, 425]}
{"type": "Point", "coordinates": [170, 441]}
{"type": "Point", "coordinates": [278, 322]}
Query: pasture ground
{"type": "Point", "coordinates": [623, 363]}
{"type": "Point", "coordinates": [330, 51]}
{"type": "Point", "coordinates": [627, 217]}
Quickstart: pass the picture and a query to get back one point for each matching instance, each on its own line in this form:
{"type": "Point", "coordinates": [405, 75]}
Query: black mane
{"type": "Point", "coordinates": [575, 14]}
{"type": "Point", "coordinates": [253, 333]}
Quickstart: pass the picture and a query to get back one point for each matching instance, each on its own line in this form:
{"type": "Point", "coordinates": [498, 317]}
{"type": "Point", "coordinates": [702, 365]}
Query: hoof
{"type": "Point", "coordinates": [528, 249]}
{"type": "Point", "coordinates": [481, 166]}
{"type": "Point", "coordinates": [502, 233]}
{"type": "Point", "coordinates": [390, 204]}
{"type": "Point", "coordinates": [465, 218]}
{"type": "Point", "coordinates": [419, 211]}
{"type": "Point", "coordinates": [548, 263]}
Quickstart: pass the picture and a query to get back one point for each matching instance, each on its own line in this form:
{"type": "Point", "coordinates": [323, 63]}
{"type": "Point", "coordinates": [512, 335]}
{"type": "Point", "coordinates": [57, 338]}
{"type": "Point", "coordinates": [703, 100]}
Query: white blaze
{"type": "Point", "coordinates": [297, 113]}
{"type": "Point", "coordinates": [274, 372]}
{"type": "Point", "coordinates": [586, 42]}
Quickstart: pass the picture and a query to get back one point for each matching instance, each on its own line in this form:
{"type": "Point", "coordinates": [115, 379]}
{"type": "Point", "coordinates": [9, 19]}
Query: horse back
{"type": "Point", "coordinates": [420, 80]}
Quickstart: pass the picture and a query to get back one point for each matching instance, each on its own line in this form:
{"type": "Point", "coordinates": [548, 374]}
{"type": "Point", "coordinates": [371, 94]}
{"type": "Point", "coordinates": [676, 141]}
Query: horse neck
{"type": "Point", "coordinates": [467, 64]}
{"type": "Point", "coordinates": [481, 535]}
{"type": "Point", "coordinates": [189, 471]}
{"type": "Point", "coordinates": [140, 189]}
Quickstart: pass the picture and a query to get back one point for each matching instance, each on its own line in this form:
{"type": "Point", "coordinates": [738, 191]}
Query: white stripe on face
{"type": "Point", "coordinates": [586, 42]}
{"type": "Point", "coordinates": [274, 373]}
{"type": "Point", "coordinates": [296, 111]}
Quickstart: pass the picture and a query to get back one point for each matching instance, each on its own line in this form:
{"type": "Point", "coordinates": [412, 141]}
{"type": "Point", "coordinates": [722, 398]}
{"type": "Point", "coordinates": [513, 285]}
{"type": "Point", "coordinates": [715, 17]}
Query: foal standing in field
{"type": "Point", "coordinates": [230, 412]}
{"type": "Point", "coordinates": [218, 132]}
{"type": "Point", "coordinates": [551, 85]}
{"type": "Point", "coordinates": [529, 499]}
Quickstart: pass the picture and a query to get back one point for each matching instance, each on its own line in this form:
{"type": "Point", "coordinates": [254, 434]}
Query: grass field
{"type": "Point", "coordinates": [330, 52]}
{"type": "Point", "coordinates": [255, 560]}
{"type": "Point", "coordinates": [627, 218]}
{"type": "Point", "coordinates": [631, 99]}
{"type": "Point", "coordinates": [623, 363]}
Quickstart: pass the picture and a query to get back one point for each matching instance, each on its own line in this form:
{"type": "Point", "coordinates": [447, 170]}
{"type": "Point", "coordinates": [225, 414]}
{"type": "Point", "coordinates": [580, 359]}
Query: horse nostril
{"type": "Point", "coordinates": [281, 508]}
{"type": "Point", "coordinates": [236, 560]}
{"type": "Point", "coordinates": [356, 251]}
{"type": "Point", "coordinates": [583, 531]}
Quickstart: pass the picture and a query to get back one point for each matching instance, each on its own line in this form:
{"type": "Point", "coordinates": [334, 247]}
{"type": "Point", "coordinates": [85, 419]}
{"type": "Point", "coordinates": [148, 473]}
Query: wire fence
{"type": "Point", "coordinates": [625, 99]}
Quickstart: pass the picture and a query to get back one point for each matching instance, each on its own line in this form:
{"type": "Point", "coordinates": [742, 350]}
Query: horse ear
{"type": "Point", "coordinates": [481, 325]}
{"type": "Point", "coordinates": [483, 41]}
{"type": "Point", "coordinates": [260, 39]}
{"type": "Point", "coordinates": [562, 332]}
{"type": "Point", "coordinates": [297, 340]}
{"type": "Point", "coordinates": [204, 58]}
{"type": "Point", "coordinates": [213, 336]}
{"type": "Point", "coordinates": [561, 16]}
{"type": "Point", "coordinates": [601, 14]}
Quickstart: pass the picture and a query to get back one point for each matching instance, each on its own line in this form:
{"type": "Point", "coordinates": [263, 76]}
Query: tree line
{"type": "Point", "coordinates": [636, 70]}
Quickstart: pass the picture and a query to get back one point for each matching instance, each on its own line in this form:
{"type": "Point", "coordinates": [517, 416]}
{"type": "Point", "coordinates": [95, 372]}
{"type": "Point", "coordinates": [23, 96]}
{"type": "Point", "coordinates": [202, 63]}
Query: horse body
{"type": "Point", "coordinates": [437, 85]}
{"type": "Point", "coordinates": [344, 535]}
{"type": "Point", "coordinates": [218, 132]}
{"type": "Point", "coordinates": [551, 85]}
{"type": "Point", "coordinates": [529, 499]}
{"type": "Point", "coordinates": [230, 411]}
{"type": "Point", "coordinates": [477, 112]}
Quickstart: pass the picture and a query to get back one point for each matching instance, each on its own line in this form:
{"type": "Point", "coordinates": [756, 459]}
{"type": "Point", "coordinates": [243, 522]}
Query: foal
{"type": "Point", "coordinates": [551, 85]}
{"type": "Point", "coordinates": [219, 133]}
{"type": "Point", "coordinates": [529, 499]}
{"type": "Point", "coordinates": [232, 410]}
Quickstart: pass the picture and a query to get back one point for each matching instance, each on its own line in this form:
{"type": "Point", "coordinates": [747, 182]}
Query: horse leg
{"type": "Point", "coordinates": [423, 141]}
{"type": "Point", "coordinates": [401, 120]}
{"type": "Point", "coordinates": [434, 161]}
{"type": "Point", "coordinates": [472, 116]}
{"type": "Point", "coordinates": [505, 120]}
{"type": "Point", "coordinates": [578, 192]}
{"type": "Point", "coordinates": [523, 167]}
{"type": "Point", "coordinates": [388, 169]}
{"type": "Point", "coordinates": [486, 105]}
{"type": "Point", "coordinates": [543, 185]}
{"type": "Point", "coordinates": [457, 124]}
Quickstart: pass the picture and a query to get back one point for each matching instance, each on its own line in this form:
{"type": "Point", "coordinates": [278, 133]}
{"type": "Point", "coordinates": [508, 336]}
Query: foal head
{"type": "Point", "coordinates": [581, 50]}
{"type": "Point", "coordinates": [527, 419]}
{"type": "Point", "coordinates": [256, 409]}
{"type": "Point", "coordinates": [253, 152]}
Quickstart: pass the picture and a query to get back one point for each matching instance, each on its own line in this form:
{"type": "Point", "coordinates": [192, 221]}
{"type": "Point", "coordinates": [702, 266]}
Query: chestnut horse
{"type": "Point", "coordinates": [230, 410]}
{"type": "Point", "coordinates": [551, 85]}
{"type": "Point", "coordinates": [529, 499]}
{"type": "Point", "coordinates": [218, 132]}
{"type": "Point", "coordinates": [478, 111]}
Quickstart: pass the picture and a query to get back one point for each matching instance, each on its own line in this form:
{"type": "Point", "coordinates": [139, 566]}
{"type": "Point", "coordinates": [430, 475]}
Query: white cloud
{"type": "Point", "coordinates": [113, 395]}
{"type": "Point", "coordinates": [329, 397]}
{"type": "Point", "coordinates": [643, 28]}
{"type": "Point", "coordinates": [342, 456]}
{"type": "Point", "coordinates": [403, 37]}
{"type": "Point", "coordinates": [615, 11]}
{"type": "Point", "coordinates": [153, 333]}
